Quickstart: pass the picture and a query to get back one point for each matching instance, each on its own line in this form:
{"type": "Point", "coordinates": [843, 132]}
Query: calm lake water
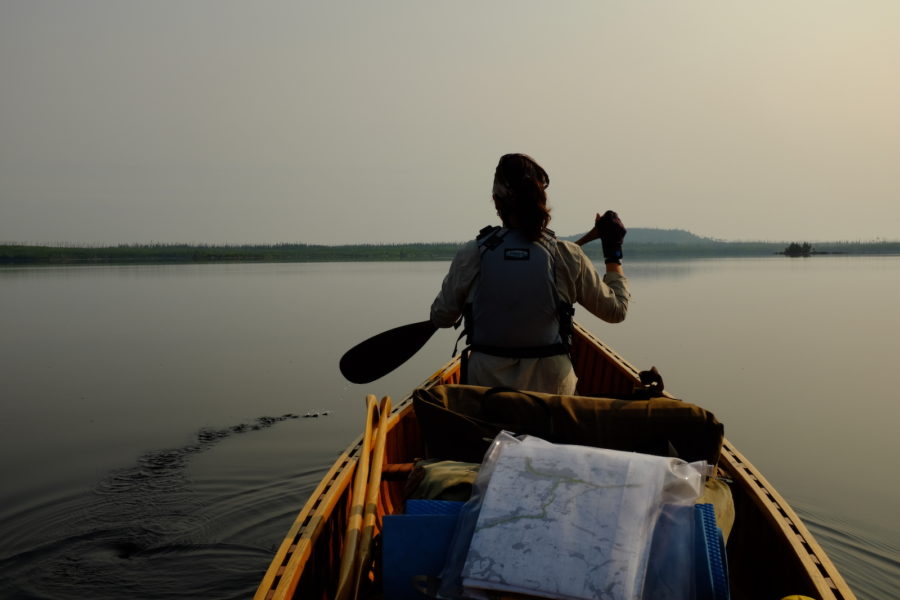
{"type": "Point", "coordinates": [153, 441]}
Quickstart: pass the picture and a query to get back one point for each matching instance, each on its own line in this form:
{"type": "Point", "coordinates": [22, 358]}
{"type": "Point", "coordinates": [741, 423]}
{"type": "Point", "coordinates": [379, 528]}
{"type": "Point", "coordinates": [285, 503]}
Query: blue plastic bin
{"type": "Point", "coordinates": [416, 543]}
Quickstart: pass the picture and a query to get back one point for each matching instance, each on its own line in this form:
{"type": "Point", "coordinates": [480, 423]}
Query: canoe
{"type": "Point", "coordinates": [770, 552]}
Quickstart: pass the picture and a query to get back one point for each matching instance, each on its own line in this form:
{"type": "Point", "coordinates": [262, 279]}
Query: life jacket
{"type": "Point", "coordinates": [516, 310]}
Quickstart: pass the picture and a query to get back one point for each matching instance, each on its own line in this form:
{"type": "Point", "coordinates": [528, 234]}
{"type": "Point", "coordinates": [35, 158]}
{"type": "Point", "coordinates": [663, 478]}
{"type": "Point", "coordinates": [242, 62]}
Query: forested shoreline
{"type": "Point", "coordinates": [184, 253]}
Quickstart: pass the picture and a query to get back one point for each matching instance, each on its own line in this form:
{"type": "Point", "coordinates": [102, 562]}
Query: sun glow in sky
{"type": "Point", "coordinates": [223, 121]}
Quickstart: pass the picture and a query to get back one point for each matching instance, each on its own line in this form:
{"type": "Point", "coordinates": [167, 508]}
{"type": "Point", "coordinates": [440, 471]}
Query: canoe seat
{"type": "Point", "coordinates": [458, 422]}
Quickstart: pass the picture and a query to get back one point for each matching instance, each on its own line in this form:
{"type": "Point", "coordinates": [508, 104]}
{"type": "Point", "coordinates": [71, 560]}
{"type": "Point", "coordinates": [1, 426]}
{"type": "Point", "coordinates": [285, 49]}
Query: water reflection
{"type": "Point", "coordinates": [105, 368]}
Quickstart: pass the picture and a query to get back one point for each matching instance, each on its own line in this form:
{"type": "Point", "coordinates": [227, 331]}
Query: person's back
{"type": "Point", "coordinates": [516, 286]}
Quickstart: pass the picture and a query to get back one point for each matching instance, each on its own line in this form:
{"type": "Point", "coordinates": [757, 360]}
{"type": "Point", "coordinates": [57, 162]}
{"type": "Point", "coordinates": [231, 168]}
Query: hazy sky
{"type": "Point", "coordinates": [335, 122]}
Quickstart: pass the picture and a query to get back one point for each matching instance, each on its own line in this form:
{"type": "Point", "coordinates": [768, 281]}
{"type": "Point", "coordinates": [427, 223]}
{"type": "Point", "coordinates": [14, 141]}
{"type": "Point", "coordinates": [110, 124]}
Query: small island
{"type": "Point", "coordinates": [795, 249]}
{"type": "Point", "coordinates": [805, 249]}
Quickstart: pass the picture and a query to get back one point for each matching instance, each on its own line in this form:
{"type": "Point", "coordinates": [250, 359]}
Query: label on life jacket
{"type": "Point", "coordinates": [517, 254]}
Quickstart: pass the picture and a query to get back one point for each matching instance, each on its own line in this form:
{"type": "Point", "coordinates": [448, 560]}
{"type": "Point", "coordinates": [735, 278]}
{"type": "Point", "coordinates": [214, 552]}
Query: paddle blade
{"type": "Point", "coordinates": [381, 354]}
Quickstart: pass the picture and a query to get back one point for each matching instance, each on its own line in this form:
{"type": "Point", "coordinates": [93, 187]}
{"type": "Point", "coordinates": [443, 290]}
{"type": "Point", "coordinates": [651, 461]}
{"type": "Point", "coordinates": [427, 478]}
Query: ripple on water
{"type": "Point", "coordinates": [868, 560]}
{"type": "Point", "coordinates": [250, 508]}
{"type": "Point", "coordinates": [143, 531]}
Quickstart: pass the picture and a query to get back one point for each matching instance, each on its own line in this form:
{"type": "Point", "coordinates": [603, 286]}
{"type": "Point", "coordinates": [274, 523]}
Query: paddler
{"type": "Point", "coordinates": [514, 287]}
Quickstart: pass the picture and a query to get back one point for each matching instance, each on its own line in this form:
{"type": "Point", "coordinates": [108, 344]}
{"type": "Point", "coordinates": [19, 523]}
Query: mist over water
{"type": "Point", "coordinates": [154, 441]}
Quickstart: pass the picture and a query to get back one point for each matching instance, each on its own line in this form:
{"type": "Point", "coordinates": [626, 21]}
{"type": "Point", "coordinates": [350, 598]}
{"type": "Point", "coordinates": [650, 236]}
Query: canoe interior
{"type": "Point", "coordinates": [771, 554]}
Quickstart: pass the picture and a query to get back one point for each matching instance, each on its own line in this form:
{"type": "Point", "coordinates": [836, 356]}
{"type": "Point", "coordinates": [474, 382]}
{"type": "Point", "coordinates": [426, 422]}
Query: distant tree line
{"type": "Point", "coordinates": [795, 249]}
{"type": "Point", "coordinates": [182, 253]}
{"type": "Point", "coordinates": [185, 253]}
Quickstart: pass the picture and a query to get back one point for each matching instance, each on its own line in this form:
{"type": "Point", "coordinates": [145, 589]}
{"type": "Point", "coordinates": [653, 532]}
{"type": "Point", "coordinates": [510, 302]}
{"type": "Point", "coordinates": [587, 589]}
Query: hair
{"type": "Point", "coordinates": [522, 197]}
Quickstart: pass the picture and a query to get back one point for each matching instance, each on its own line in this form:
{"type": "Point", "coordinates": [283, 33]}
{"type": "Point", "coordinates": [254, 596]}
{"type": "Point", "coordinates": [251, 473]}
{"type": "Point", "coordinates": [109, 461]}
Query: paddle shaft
{"type": "Point", "coordinates": [590, 236]}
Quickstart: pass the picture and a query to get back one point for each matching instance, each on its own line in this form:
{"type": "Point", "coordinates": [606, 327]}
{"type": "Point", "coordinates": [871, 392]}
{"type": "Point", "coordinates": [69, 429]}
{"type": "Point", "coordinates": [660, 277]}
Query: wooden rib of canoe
{"type": "Point", "coordinates": [771, 554]}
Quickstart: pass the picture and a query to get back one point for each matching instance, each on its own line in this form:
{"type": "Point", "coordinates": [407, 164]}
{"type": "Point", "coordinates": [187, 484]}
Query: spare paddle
{"type": "Point", "coordinates": [379, 355]}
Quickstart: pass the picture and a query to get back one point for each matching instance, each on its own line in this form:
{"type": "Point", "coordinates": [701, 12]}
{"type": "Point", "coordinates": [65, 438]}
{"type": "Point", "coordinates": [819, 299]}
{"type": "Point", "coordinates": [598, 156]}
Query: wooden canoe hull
{"type": "Point", "coordinates": [771, 554]}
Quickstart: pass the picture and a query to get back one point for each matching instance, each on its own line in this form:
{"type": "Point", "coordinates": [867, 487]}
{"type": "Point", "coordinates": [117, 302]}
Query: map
{"type": "Point", "coordinates": [566, 522]}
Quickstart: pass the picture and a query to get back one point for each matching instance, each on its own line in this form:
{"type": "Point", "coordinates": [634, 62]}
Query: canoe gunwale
{"type": "Point", "coordinates": [283, 575]}
{"type": "Point", "coordinates": [823, 574]}
{"type": "Point", "coordinates": [808, 569]}
{"type": "Point", "coordinates": [287, 566]}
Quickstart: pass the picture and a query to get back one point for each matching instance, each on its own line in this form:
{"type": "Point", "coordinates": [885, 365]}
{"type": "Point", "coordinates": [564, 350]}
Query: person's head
{"type": "Point", "coordinates": [520, 194]}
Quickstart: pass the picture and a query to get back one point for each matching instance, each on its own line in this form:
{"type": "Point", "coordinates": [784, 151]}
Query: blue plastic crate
{"type": "Point", "coordinates": [711, 560]}
{"type": "Point", "coordinates": [412, 545]}
{"type": "Point", "coordinates": [687, 556]}
{"type": "Point", "coordinates": [433, 507]}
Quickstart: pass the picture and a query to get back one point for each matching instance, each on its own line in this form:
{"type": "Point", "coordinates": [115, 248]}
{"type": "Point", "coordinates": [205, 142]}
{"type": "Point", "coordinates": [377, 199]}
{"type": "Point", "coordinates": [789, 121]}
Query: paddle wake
{"type": "Point", "coordinates": [136, 525]}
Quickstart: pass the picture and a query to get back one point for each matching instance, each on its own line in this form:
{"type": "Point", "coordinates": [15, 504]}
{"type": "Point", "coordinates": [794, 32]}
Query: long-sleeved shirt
{"type": "Point", "coordinates": [577, 282]}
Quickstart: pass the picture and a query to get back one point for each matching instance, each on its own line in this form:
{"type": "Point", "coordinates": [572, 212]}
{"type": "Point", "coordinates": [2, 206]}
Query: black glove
{"type": "Point", "coordinates": [612, 234]}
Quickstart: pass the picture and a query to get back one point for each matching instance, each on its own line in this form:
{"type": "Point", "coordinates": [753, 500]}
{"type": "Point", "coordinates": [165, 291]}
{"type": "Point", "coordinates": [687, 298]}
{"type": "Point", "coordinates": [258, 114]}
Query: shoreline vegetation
{"type": "Point", "coordinates": [641, 244]}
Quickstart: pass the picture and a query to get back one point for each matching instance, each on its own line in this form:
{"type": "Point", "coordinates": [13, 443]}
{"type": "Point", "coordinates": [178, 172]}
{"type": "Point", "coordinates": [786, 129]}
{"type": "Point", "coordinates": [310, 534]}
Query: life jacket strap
{"type": "Point", "coordinates": [464, 365]}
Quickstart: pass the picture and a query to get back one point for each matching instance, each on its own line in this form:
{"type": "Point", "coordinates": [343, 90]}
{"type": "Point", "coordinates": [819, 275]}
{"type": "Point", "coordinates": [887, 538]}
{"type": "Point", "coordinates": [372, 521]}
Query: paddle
{"type": "Point", "coordinates": [379, 355]}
